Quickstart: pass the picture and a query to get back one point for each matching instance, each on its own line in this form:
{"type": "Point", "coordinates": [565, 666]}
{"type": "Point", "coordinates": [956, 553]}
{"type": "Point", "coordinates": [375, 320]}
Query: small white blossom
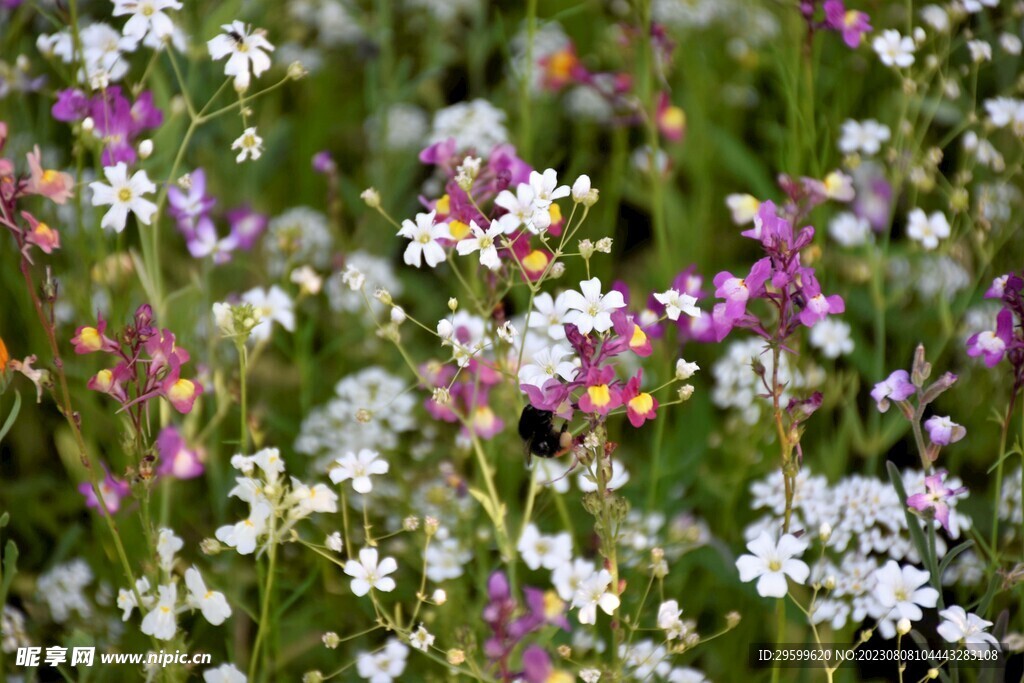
{"type": "Point", "coordinates": [590, 310]}
{"type": "Point", "coordinates": [358, 467]}
{"type": "Point", "coordinates": [212, 604]}
{"type": "Point", "coordinates": [676, 303]}
{"type": "Point", "coordinates": [161, 622]}
{"type": "Point", "coordinates": [367, 573]}
{"type": "Point", "coordinates": [541, 550]}
{"type": "Point", "coordinates": [167, 544]}
{"type": "Point", "coordinates": [928, 230]}
{"type": "Point", "coordinates": [484, 241]}
{"type": "Point", "coordinates": [123, 195]}
{"type": "Point", "coordinates": [423, 236]}
{"type": "Point", "coordinates": [273, 306]}
{"type": "Point", "coordinates": [772, 562]}
{"type": "Point", "coordinates": [958, 625]}
{"type": "Point", "coordinates": [594, 593]}
{"type": "Point", "coordinates": [247, 49]}
{"type": "Point", "coordinates": [147, 16]}
{"type": "Point", "coordinates": [421, 639]}
{"type": "Point", "coordinates": [225, 673]}
{"type": "Point", "coordinates": [894, 49]}
{"type": "Point", "coordinates": [248, 144]}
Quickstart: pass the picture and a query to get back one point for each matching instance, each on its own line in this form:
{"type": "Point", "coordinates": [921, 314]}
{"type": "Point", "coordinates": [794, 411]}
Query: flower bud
{"type": "Point", "coordinates": [581, 188]}
{"type": "Point", "coordinates": [312, 677]}
{"type": "Point", "coordinates": [397, 315]}
{"type": "Point", "coordinates": [557, 270]}
{"type": "Point", "coordinates": [453, 304]}
{"type": "Point", "coordinates": [209, 546]}
{"type": "Point", "coordinates": [430, 525]}
{"type": "Point", "coordinates": [145, 149]}
{"type": "Point", "coordinates": [830, 583]}
{"type": "Point", "coordinates": [564, 651]}
{"type": "Point", "coordinates": [331, 640]}
{"type": "Point", "coordinates": [732, 619]}
{"type": "Point", "coordinates": [590, 199]}
{"type": "Point", "coordinates": [371, 197]}
{"type": "Point", "coordinates": [296, 71]}
{"type": "Point", "coordinates": [685, 392]}
{"type": "Point", "coordinates": [411, 523]}
{"type": "Point", "coordinates": [88, 125]}
{"type": "Point", "coordinates": [334, 542]}
{"type": "Point", "coordinates": [933, 674]}
{"type": "Point", "coordinates": [586, 249]}
{"type": "Point", "coordinates": [903, 626]}
{"type": "Point", "coordinates": [825, 532]}
{"type": "Point", "coordinates": [383, 296]}
{"type": "Point", "coordinates": [456, 656]}
{"type": "Point", "coordinates": [685, 370]}
{"type": "Point", "coordinates": [439, 597]}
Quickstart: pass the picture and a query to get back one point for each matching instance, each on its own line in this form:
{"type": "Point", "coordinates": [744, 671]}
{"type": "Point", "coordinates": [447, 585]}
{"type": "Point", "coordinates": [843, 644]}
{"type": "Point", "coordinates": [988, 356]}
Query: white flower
{"type": "Point", "coordinates": [366, 573]}
{"type": "Point", "coordinates": [669, 619]}
{"type": "Point", "coordinates": [591, 310]}
{"type": "Point", "coordinates": [593, 593]}
{"type": "Point", "coordinates": [247, 50]}
{"type": "Point", "coordinates": [590, 675]}
{"type": "Point", "coordinates": [269, 460]}
{"type": "Point", "coordinates": [225, 673]}
{"type": "Point", "coordinates": [771, 562]}
{"type": "Point", "coordinates": [743, 207]}
{"type": "Point", "coordinates": [960, 626]}
{"type": "Point", "coordinates": [126, 598]}
{"type": "Point", "coordinates": [358, 467]}
{"type": "Point", "coordinates": [936, 17]}
{"type": "Point", "coordinates": [927, 230]}
{"type": "Point", "coordinates": [676, 303]}
{"type": "Point", "coordinates": [484, 242]}
{"type": "Point", "coordinates": [423, 236]}
{"type": "Point", "coordinates": [439, 596]}
{"type": "Point", "coordinates": [685, 370]}
{"type": "Point", "coordinates": [546, 188]}
{"type": "Point", "coordinates": [383, 666]}
{"type": "Point", "coordinates": [248, 144]}
{"type": "Point", "coordinates": [334, 542]}
{"type": "Point", "coordinates": [581, 188]}
{"type": "Point", "coordinates": [838, 186]}
{"type": "Point", "coordinates": [980, 50]}
{"type": "Point", "coordinates": [549, 314]}
{"type": "Point", "coordinates": [242, 535]}
{"type": "Point", "coordinates": [541, 550]}
{"type": "Point", "coordinates": [524, 209]}
{"type": "Point", "coordinates": [147, 16]}
{"type": "Point", "coordinates": [894, 49]}
{"type": "Point", "coordinates": [273, 305]}
{"type": "Point", "coordinates": [123, 194]}
{"type": "Point", "coordinates": [1010, 43]}
{"type": "Point", "coordinates": [421, 639]}
{"type": "Point", "coordinates": [587, 481]}
{"type": "Point", "coordinates": [974, 6]}
{"type": "Point", "coordinates": [901, 592]}
{"type": "Point", "coordinates": [307, 279]}
{"type": "Point", "coordinates": [546, 364]}
{"type": "Point", "coordinates": [567, 578]}
{"type": "Point", "coordinates": [212, 604]}
{"type": "Point", "coordinates": [863, 136]}
{"type": "Point", "coordinates": [1006, 111]}
{"type": "Point", "coordinates": [849, 229]}
{"type": "Point", "coordinates": [832, 337]}
{"type": "Point", "coordinates": [167, 544]}
{"type": "Point", "coordinates": [310, 499]}
{"type": "Point", "coordinates": [161, 622]}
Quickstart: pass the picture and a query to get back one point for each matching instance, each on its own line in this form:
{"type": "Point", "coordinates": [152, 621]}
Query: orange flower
{"type": "Point", "coordinates": [4, 356]}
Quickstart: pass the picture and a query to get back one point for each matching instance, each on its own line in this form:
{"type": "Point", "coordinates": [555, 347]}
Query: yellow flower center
{"type": "Point", "coordinates": [536, 261]}
{"type": "Point", "coordinates": [641, 403]}
{"type": "Point", "coordinates": [124, 195]}
{"type": "Point", "coordinates": [639, 337]}
{"type": "Point", "coordinates": [599, 395]}
{"type": "Point", "coordinates": [90, 338]}
{"type": "Point", "coordinates": [673, 117]}
{"type": "Point", "coordinates": [458, 229]}
{"type": "Point", "coordinates": [443, 205]}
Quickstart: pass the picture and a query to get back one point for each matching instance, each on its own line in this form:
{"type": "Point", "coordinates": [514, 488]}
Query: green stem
{"type": "Point", "coordinates": [267, 594]}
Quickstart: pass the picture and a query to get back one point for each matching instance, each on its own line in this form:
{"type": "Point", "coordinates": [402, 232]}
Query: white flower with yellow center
{"type": "Point", "coordinates": [423, 236]}
{"type": "Point", "coordinates": [248, 144]}
{"type": "Point", "coordinates": [212, 604]}
{"type": "Point", "coordinates": [123, 195]}
{"type": "Point", "coordinates": [589, 310]}
{"type": "Point", "coordinates": [161, 622]}
{"type": "Point", "coordinates": [245, 49]}
{"type": "Point", "coordinates": [367, 573]}
{"type": "Point", "coordinates": [358, 467]}
{"type": "Point", "coordinates": [484, 241]}
{"type": "Point", "coordinates": [772, 562]}
{"type": "Point", "coordinates": [147, 16]}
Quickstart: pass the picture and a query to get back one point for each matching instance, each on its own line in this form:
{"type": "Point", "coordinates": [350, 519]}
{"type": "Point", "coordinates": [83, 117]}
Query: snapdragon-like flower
{"type": "Point", "coordinates": [935, 499]}
{"type": "Point", "coordinates": [943, 431]}
{"type": "Point", "coordinates": [246, 50]}
{"type": "Point", "coordinates": [162, 622]}
{"type": "Point", "coordinates": [242, 535]}
{"type": "Point", "coordinates": [225, 673]}
{"type": "Point", "coordinates": [771, 562]}
{"type": "Point", "coordinates": [590, 310]}
{"type": "Point", "coordinates": [960, 626]}
{"type": "Point", "coordinates": [212, 604]}
{"type": "Point", "coordinates": [592, 593]}
{"type": "Point", "coordinates": [54, 185]}
{"type": "Point", "coordinates": [368, 574]}
{"type": "Point", "coordinates": [424, 236]}
{"type": "Point", "coordinates": [991, 345]}
{"type": "Point", "coordinates": [358, 467]}
{"type": "Point", "coordinates": [851, 24]}
{"type": "Point", "coordinates": [112, 490]}
{"type": "Point", "coordinates": [123, 195]}
{"type": "Point", "coordinates": [896, 387]}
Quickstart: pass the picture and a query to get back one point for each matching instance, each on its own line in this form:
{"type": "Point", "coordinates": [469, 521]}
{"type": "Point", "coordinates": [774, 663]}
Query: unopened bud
{"type": "Point", "coordinates": [453, 304]}
{"type": "Point", "coordinates": [830, 583]}
{"type": "Point", "coordinates": [209, 546]}
{"type": "Point", "coordinates": [145, 149]}
{"type": "Point", "coordinates": [371, 197]}
{"type": "Point", "coordinates": [685, 392]}
{"type": "Point", "coordinates": [456, 656]}
{"type": "Point", "coordinates": [430, 525]}
{"type": "Point", "coordinates": [732, 619]}
{"type": "Point", "coordinates": [564, 651]}
{"type": "Point", "coordinates": [383, 296]}
{"type": "Point", "coordinates": [903, 626]}
{"type": "Point", "coordinates": [411, 523]}
{"type": "Point", "coordinates": [312, 677]}
{"type": "Point", "coordinates": [825, 532]}
{"type": "Point", "coordinates": [439, 597]}
{"type": "Point", "coordinates": [397, 315]}
{"type": "Point", "coordinates": [586, 249]}
{"type": "Point", "coordinates": [331, 640]}
{"type": "Point", "coordinates": [296, 71]}
{"type": "Point", "coordinates": [88, 125]}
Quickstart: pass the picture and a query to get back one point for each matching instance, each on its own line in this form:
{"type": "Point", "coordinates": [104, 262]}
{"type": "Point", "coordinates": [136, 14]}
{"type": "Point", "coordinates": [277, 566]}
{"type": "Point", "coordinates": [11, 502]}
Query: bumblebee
{"type": "Point", "coordinates": [537, 430]}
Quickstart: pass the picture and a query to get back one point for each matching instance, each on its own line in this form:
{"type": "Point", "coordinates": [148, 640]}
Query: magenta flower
{"type": "Point", "coordinates": [88, 339]}
{"type": "Point", "coordinates": [188, 206]}
{"type": "Point", "coordinates": [818, 306]}
{"type": "Point", "coordinates": [630, 334]}
{"type": "Point", "coordinates": [180, 392]}
{"type": "Point", "coordinates": [111, 382]}
{"type": "Point", "coordinates": [247, 226]}
{"type": "Point", "coordinates": [324, 163]}
{"type": "Point", "coordinates": [943, 431]}
{"type": "Point", "coordinates": [850, 23]}
{"type": "Point", "coordinates": [992, 344]}
{"type": "Point", "coordinates": [640, 405]}
{"type": "Point", "coordinates": [601, 395]}
{"type": "Point", "coordinates": [935, 498]}
{"type": "Point", "coordinates": [112, 490]}
{"type": "Point", "coordinates": [896, 387]}
{"type": "Point", "coordinates": [176, 458]}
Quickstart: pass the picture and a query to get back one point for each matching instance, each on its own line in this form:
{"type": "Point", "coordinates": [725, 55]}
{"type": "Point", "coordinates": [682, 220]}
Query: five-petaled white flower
{"type": "Point", "coordinates": [162, 622]}
{"type": "Point", "coordinates": [545, 186]}
{"type": "Point", "coordinates": [358, 467]}
{"type": "Point", "coordinates": [894, 49]}
{"type": "Point", "coordinates": [123, 194]}
{"type": "Point", "coordinates": [248, 144]}
{"type": "Point", "coordinates": [242, 535]}
{"type": "Point", "coordinates": [863, 136]}
{"type": "Point", "coordinates": [669, 619]}
{"type": "Point", "coordinates": [927, 230]}
{"type": "Point", "coordinates": [147, 16]}
{"type": "Point", "coordinates": [524, 209]}
{"type": "Point", "coordinates": [212, 604]}
{"type": "Point", "coordinates": [273, 305]}
{"type": "Point", "coordinates": [958, 625]}
{"type": "Point", "coordinates": [541, 550]}
{"type": "Point", "coordinates": [771, 562]}
{"type": "Point", "coordinates": [367, 573]}
{"type": "Point", "coordinates": [901, 591]}
{"type": "Point", "coordinates": [593, 593]}
{"type": "Point", "coordinates": [547, 364]}
{"type": "Point", "coordinates": [483, 241]}
{"type": "Point", "coordinates": [247, 50]}
{"type": "Point", "coordinates": [423, 236]}
{"type": "Point", "coordinates": [383, 666]}
{"type": "Point", "coordinates": [310, 499]}
{"type": "Point", "coordinates": [549, 313]}
{"type": "Point", "coordinates": [421, 639]}
{"type": "Point", "coordinates": [590, 310]}
{"type": "Point", "coordinates": [225, 673]}
{"type": "Point", "coordinates": [676, 303]}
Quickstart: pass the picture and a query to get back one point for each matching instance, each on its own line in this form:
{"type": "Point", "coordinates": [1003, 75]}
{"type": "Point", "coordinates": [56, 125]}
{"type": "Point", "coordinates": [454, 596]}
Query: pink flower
{"type": "Point", "coordinates": [935, 498]}
{"type": "Point", "coordinates": [41, 234]}
{"type": "Point", "coordinates": [180, 392]}
{"type": "Point", "coordinates": [817, 305]}
{"type": "Point", "coordinates": [640, 406]}
{"type": "Point", "coordinates": [631, 334]}
{"type": "Point", "coordinates": [943, 431]}
{"type": "Point", "coordinates": [111, 382]}
{"type": "Point", "coordinates": [112, 490]}
{"type": "Point", "coordinates": [850, 23]}
{"type": "Point", "coordinates": [176, 458]}
{"type": "Point", "coordinates": [895, 387]}
{"type": "Point", "coordinates": [52, 184]}
{"type": "Point", "coordinates": [600, 395]}
{"type": "Point", "coordinates": [991, 344]}
{"type": "Point", "coordinates": [670, 118]}
{"type": "Point", "coordinates": [89, 339]}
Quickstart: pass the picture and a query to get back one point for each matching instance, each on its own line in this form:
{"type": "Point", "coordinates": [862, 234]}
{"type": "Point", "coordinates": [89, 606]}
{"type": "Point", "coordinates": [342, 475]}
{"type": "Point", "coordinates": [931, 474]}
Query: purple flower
{"type": "Point", "coordinates": [324, 163]}
{"type": "Point", "coordinates": [935, 498]}
{"type": "Point", "coordinates": [176, 458]}
{"type": "Point", "coordinates": [895, 387]}
{"type": "Point", "coordinates": [246, 226]}
{"type": "Point", "coordinates": [943, 431]}
{"type": "Point", "coordinates": [112, 490]}
{"type": "Point", "coordinates": [188, 206]}
{"type": "Point", "coordinates": [817, 305]}
{"type": "Point", "coordinates": [118, 122]}
{"type": "Point", "coordinates": [850, 23]}
{"type": "Point", "coordinates": [204, 242]}
{"type": "Point", "coordinates": [536, 665]}
{"type": "Point", "coordinates": [1002, 284]}
{"type": "Point", "coordinates": [992, 344]}
{"type": "Point", "coordinates": [71, 105]}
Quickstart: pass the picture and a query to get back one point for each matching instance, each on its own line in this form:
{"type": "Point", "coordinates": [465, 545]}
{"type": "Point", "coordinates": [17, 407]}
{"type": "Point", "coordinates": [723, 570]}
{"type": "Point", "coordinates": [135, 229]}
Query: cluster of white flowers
{"type": "Point", "coordinates": [299, 236]}
{"type": "Point", "coordinates": [103, 54]}
{"type": "Point", "coordinates": [371, 409]}
{"type": "Point", "coordinates": [63, 590]}
{"type": "Point", "coordinates": [736, 385]}
{"type": "Point", "coordinates": [383, 665]}
{"type": "Point", "coordinates": [866, 527]}
{"type": "Point", "coordinates": [333, 21]}
{"type": "Point", "coordinates": [646, 660]}
{"type": "Point", "coordinates": [476, 125]}
{"type": "Point", "coordinates": [12, 629]}
{"type": "Point", "coordinates": [1006, 112]}
{"type": "Point", "coordinates": [274, 505]}
{"type": "Point", "coordinates": [864, 137]}
{"type": "Point", "coordinates": [940, 276]}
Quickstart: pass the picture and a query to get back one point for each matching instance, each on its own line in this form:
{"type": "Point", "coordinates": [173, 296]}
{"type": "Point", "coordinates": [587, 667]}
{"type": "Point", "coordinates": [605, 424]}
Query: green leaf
{"type": "Point", "coordinates": [951, 555]}
{"type": "Point", "coordinates": [9, 422]}
{"type": "Point", "coordinates": [916, 535]}
{"type": "Point", "coordinates": [10, 569]}
{"type": "Point", "coordinates": [990, 470]}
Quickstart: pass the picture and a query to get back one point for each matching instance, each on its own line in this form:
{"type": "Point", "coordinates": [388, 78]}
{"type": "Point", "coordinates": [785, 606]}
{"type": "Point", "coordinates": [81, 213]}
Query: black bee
{"type": "Point", "coordinates": [236, 36]}
{"type": "Point", "coordinates": [537, 430]}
